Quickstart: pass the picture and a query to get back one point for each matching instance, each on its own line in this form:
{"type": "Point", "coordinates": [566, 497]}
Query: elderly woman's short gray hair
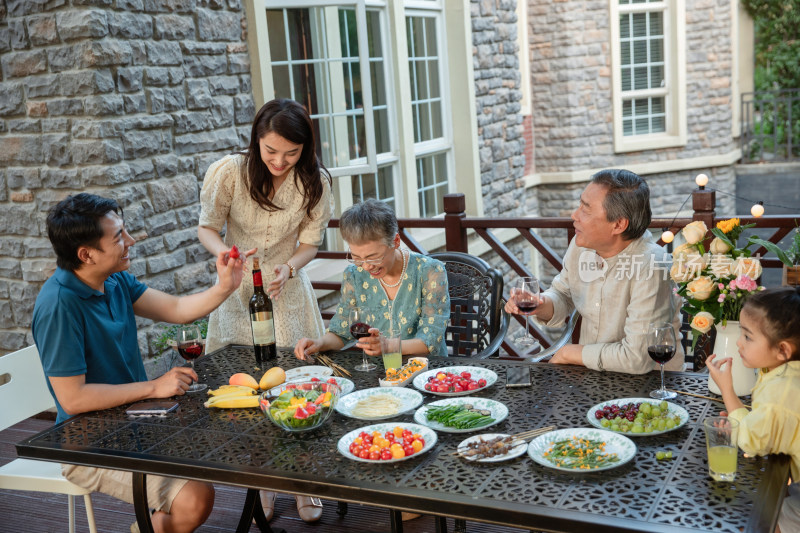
{"type": "Point", "coordinates": [371, 220]}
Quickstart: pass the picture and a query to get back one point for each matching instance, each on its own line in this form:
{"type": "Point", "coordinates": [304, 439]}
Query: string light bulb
{"type": "Point", "coordinates": [757, 210]}
{"type": "Point", "coordinates": [701, 180]}
{"type": "Point", "coordinates": [667, 236]}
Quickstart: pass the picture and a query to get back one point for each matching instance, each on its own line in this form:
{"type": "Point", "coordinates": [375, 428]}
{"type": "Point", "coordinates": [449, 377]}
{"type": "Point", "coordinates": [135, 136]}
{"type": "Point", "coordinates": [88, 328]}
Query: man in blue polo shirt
{"type": "Point", "coordinates": [84, 326]}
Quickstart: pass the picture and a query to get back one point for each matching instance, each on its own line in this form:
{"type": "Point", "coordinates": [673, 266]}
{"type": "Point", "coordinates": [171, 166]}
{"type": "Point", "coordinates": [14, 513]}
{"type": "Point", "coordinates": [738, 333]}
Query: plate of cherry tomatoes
{"type": "Point", "coordinates": [455, 380]}
{"type": "Point", "coordinates": [387, 443]}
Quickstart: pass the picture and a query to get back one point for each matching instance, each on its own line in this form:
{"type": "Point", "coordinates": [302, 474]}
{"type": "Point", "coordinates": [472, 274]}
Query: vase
{"type": "Point", "coordinates": [744, 379]}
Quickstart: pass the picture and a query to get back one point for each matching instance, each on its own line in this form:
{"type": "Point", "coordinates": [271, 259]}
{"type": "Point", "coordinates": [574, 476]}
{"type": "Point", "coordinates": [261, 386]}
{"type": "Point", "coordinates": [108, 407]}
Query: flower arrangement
{"type": "Point", "coordinates": [716, 283]}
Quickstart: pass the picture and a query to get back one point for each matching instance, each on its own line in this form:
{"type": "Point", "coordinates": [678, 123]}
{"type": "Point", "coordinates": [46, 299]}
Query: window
{"type": "Point", "coordinates": [648, 74]}
{"type": "Point", "coordinates": [389, 134]}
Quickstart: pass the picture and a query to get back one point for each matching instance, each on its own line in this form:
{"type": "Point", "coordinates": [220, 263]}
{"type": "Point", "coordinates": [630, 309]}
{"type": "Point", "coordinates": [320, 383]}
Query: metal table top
{"type": "Point", "coordinates": [242, 447]}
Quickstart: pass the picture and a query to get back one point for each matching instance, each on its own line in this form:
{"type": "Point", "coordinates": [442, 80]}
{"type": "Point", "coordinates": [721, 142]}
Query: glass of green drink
{"type": "Point", "coordinates": [721, 443]}
{"type": "Point", "coordinates": [392, 352]}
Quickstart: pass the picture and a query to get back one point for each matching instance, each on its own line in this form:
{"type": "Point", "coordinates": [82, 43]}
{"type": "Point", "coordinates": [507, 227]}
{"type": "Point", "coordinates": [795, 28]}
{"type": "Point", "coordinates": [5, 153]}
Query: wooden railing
{"type": "Point", "coordinates": [456, 225]}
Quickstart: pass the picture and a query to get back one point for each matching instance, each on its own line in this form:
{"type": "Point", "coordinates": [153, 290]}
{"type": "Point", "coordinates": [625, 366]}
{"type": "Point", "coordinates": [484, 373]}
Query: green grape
{"type": "Point", "coordinates": [668, 455]}
{"type": "Point", "coordinates": [660, 455]}
{"type": "Point", "coordinates": [664, 405]}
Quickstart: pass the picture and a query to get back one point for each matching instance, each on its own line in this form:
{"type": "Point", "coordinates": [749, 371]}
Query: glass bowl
{"type": "Point", "coordinates": [300, 406]}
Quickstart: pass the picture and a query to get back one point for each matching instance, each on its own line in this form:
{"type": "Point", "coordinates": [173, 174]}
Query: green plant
{"type": "Point", "coordinates": [793, 251]}
{"type": "Point", "coordinates": [165, 340]}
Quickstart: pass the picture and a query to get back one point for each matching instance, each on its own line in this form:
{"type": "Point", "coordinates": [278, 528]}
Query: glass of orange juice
{"type": "Point", "coordinates": [721, 443]}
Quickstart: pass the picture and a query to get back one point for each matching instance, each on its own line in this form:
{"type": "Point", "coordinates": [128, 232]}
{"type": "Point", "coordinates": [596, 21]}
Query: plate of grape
{"type": "Point", "coordinates": [581, 450]}
{"type": "Point", "coordinates": [637, 417]}
{"type": "Point", "coordinates": [455, 380]}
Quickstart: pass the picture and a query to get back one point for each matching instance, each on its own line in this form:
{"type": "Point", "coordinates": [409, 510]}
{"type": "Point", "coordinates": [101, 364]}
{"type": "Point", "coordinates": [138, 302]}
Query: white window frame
{"type": "Point", "coordinates": [675, 133]}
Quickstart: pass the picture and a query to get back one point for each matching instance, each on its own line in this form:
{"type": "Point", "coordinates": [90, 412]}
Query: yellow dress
{"type": "Point", "coordinates": [225, 199]}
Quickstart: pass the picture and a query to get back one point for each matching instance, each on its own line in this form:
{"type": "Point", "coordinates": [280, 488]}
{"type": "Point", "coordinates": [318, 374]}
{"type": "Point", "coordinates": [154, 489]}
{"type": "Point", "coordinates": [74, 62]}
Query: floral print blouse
{"type": "Point", "coordinates": [420, 310]}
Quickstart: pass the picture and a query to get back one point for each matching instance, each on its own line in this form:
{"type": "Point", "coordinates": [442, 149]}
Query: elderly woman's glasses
{"type": "Point", "coordinates": [372, 262]}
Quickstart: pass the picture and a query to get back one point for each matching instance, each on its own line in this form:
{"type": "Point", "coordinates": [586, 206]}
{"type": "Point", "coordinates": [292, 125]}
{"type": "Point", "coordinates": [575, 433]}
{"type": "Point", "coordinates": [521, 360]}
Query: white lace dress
{"type": "Point", "coordinates": [225, 198]}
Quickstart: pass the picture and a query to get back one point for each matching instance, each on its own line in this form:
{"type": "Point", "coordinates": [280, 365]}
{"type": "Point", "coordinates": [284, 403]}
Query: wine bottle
{"type": "Point", "coordinates": [261, 320]}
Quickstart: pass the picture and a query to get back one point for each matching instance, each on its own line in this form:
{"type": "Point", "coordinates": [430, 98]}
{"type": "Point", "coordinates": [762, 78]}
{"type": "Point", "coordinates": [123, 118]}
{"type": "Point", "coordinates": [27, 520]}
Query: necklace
{"type": "Point", "coordinates": [402, 274]}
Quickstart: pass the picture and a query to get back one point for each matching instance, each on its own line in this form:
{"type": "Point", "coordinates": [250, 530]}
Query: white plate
{"type": "Point", "coordinates": [498, 411]}
{"type": "Point", "coordinates": [345, 384]}
{"type": "Point", "coordinates": [410, 399]}
{"type": "Point", "coordinates": [427, 434]}
{"type": "Point", "coordinates": [517, 450]}
{"type": "Point", "coordinates": [304, 372]}
{"type": "Point", "coordinates": [615, 443]}
{"type": "Point", "coordinates": [423, 360]}
{"type": "Point", "coordinates": [477, 373]}
{"type": "Point", "coordinates": [673, 409]}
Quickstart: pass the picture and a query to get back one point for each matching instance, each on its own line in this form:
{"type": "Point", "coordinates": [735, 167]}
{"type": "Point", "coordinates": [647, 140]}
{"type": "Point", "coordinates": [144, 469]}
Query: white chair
{"type": "Point", "coordinates": [24, 395]}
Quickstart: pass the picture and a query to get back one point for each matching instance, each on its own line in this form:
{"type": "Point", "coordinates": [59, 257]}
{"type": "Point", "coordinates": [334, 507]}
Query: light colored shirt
{"type": "Point", "coordinates": [420, 309]}
{"type": "Point", "coordinates": [773, 426]}
{"type": "Point", "coordinates": [618, 298]}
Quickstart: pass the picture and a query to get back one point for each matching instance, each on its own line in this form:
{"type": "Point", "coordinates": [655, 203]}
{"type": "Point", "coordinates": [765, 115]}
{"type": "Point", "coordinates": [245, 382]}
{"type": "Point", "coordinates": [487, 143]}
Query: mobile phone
{"type": "Point", "coordinates": [518, 376]}
{"type": "Point", "coordinates": [152, 408]}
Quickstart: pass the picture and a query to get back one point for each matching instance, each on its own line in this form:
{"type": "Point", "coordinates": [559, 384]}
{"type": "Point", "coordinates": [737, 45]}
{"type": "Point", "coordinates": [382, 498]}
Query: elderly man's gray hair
{"type": "Point", "coordinates": [370, 220]}
{"type": "Point", "coordinates": [627, 196]}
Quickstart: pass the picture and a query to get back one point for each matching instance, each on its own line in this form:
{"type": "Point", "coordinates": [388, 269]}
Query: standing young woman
{"type": "Point", "coordinates": [276, 201]}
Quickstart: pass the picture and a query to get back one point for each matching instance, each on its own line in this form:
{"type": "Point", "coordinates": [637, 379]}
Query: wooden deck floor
{"type": "Point", "coordinates": [22, 511]}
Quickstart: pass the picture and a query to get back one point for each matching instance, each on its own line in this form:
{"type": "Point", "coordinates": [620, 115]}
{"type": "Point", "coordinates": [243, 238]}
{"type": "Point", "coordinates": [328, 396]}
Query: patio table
{"type": "Point", "coordinates": [241, 447]}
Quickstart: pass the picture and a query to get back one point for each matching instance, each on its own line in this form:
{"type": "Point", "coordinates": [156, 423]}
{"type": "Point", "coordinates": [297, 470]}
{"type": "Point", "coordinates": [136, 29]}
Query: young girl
{"type": "Point", "coordinates": [770, 340]}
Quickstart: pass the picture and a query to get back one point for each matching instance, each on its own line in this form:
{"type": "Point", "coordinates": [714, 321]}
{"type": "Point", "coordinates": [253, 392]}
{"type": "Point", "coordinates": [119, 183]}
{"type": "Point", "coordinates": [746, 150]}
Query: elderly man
{"type": "Point", "coordinates": [614, 275]}
{"type": "Point", "coordinates": [85, 329]}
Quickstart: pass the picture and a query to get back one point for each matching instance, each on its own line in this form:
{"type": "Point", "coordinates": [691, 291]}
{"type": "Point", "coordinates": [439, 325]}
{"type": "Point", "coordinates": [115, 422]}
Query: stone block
{"type": "Point", "coordinates": [222, 111]}
{"type": "Point", "coordinates": [6, 315]}
{"type": "Point", "coordinates": [163, 53]}
{"type": "Point", "coordinates": [188, 217]}
{"type": "Point", "coordinates": [20, 64]}
{"type": "Point", "coordinates": [197, 254]}
{"type": "Point", "coordinates": [46, 85]}
{"type": "Point", "coordinates": [155, 100]}
{"type": "Point", "coordinates": [138, 143]}
{"type": "Point", "coordinates": [42, 30]}
{"type": "Point", "coordinates": [10, 246]}
{"type": "Point", "coordinates": [5, 38]}
{"type": "Point", "coordinates": [164, 282]}
{"type": "Point", "coordinates": [10, 268]}
{"type": "Point", "coordinates": [213, 4]}
{"type": "Point", "coordinates": [20, 150]}
{"type": "Point", "coordinates": [107, 104]}
{"type": "Point", "coordinates": [175, 6]}
{"type": "Point", "coordinates": [37, 270]}
{"type": "Point", "coordinates": [138, 53]}
{"type": "Point", "coordinates": [142, 169]}
{"type": "Point", "coordinates": [138, 268]}
{"type": "Point", "coordinates": [18, 220]}
{"type": "Point", "coordinates": [134, 103]}
{"type": "Point", "coordinates": [22, 197]}
{"type": "Point", "coordinates": [51, 125]}
{"type": "Point", "coordinates": [86, 82]}
{"type": "Point", "coordinates": [3, 188]}
{"type": "Point", "coordinates": [219, 25]}
{"type": "Point", "coordinates": [191, 121]}
{"type": "Point", "coordinates": [173, 192]}
{"type": "Point", "coordinates": [174, 99]}
{"type": "Point", "coordinates": [192, 277]}
{"type": "Point", "coordinates": [96, 129]}
{"type": "Point", "coordinates": [244, 109]}
{"type": "Point", "coordinates": [12, 341]}
{"type": "Point", "coordinates": [160, 223]}
{"type": "Point", "coordinates": [65, 106]}
{"type": "Point", "coordinates": [238, 63]}
{"type": "Point", "coordinates": [176, 75]}
{"type": "Point", "coordinates": [199, 96]}
{"type": "Point", "coordinates": [3, 289]}
{"type": "Point", "coordinates": [149, 246]}
{"type": "Point", "coordinates": [156, 265]}
{"type": "Point", "coordinates": [82, 24]}
{"type": "Point", "coordinates": [24, 126]}
{"type": "Point", "coordinates": [106, 52]}
{"type": "Point", "coordinates": [200, 47]}
{"type": "Point", "coordinates": [156, 76]}
{"type": "Point", "coordinates": [99, 152]}
{"type": "Point", "coordinates": [66, 57]}
{"type": "Point", "coordinates": [130, 5]}
{"type": "Point", "coordinates": [205, 65]}
{"type": "Point", "coordinates": [174, 27]}
{"type": "Point", "coordinates": [166, 165]}
{"type": "Point", "coordinates": [23, 178]}
{"type": "Point", "coordinates": [61, 178]}
{"type": "Point", "coordinates": [18, 37]}
{"type": "Point", "coordinates": [93, 3]}
{"type": "Point", "coordinates": [147, 122]}
{"type": "Point", "coordinates": [105, 175]}
{"type": "Point", "coordinates": [245, 84]}
{"type": "Point", "coordinates": [126, 25]}
{"type": "Point", "coordinates": [223, 85]}
{"type": "Point", "coordinates": [55, 151]}
{"type": "Point", "coordinates": [193, 143]}
{"type": "Point", "coordinates": [12, 99]}
{"type": "Point", "coordinates": [180, 239]}
{"type": "Point", "coordinates": [129, 79]}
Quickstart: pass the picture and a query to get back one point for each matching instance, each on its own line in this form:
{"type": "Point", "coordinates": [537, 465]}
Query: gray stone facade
{"type": "Point", "coordinates": [130, 99]}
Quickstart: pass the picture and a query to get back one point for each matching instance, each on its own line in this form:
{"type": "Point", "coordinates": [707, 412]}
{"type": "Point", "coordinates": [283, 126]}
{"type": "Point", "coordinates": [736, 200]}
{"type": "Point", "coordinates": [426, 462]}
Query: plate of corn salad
{"type": "Point", "coordinates": [581, 450]}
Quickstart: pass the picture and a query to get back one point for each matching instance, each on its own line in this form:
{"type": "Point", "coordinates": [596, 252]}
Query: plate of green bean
{"type": "Point", "coordinates": [461, 415]}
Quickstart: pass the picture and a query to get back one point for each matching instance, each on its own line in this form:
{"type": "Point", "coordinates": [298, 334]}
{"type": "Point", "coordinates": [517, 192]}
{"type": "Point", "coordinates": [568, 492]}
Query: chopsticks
{"type": "Point", "coordinates": [520, 437]}
{"type": "Point", "coordinates": [338, 369]}
{"type": "Point", "coordinates": [718, 400]}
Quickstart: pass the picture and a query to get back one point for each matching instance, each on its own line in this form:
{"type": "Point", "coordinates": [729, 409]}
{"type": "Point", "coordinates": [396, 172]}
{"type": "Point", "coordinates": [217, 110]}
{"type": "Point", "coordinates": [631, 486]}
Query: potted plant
{"type": "Point", "coordinates": [791, 269]}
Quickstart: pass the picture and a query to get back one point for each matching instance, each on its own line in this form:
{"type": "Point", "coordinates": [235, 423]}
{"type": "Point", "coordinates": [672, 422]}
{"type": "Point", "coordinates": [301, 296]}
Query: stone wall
{"type": "Point", "coordinates": [131, 99]}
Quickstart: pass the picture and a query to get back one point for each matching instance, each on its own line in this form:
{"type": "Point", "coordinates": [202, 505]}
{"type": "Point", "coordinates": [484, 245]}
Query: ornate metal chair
{"type": "Point", "coordinates": [478, 321]}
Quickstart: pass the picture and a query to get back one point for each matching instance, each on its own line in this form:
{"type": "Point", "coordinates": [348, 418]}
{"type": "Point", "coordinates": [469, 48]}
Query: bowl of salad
{"type": "Point", "coordinates": [300, 406]}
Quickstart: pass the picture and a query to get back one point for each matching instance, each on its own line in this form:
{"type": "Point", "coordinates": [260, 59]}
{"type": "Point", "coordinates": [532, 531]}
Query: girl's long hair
{"type": "Point", "coordinates": [291, 121]}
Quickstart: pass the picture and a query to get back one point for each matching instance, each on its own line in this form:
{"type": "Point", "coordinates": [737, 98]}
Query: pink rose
{"type": "Point", "coordinates": [745, 283]}
{"type": "Point", "coordinates": [721, 298]}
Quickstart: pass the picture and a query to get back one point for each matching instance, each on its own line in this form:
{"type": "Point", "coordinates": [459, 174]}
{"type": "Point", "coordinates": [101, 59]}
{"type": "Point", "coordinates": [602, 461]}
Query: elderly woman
{"type": "Point", "coordinates": [403, 291]}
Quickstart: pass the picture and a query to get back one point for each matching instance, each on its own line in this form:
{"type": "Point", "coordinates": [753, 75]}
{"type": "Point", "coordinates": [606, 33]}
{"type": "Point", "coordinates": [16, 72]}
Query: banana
{"type": "Point", "coordinates": [232, 402]}
{"type": "Point", "coordinates": [228, 389]}
{"type": "Point", "coordinates": [229, 395]}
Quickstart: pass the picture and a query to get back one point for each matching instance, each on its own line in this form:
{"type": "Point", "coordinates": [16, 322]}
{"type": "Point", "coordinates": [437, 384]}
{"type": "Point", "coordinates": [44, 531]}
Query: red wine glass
{"type": "Point", "coordinates": [526, 298]}
{"type": "Point", "coordinates": [190, 346]}
{"type": "Point", "coordinates": [359, 328]}
{"type": "Point", "coordinates": [661, 345]}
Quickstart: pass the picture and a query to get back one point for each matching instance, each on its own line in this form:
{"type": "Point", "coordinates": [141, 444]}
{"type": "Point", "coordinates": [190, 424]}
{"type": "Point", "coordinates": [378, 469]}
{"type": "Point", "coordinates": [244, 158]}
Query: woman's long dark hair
{"type": "Point", "coordinates": [291, 121]}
